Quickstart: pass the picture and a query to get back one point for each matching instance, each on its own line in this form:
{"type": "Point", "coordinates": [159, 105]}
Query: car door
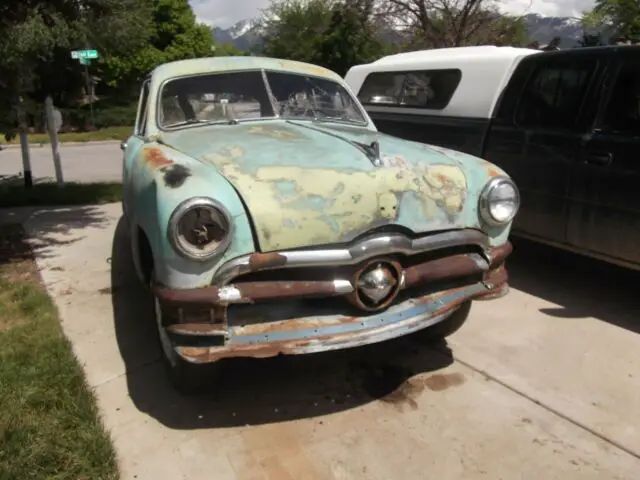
{"type": "Point", "coordinates": [605, 207]}
{"type": "Point", "coordinates": [538, 144]}
{"type": "Point", "coordinates": [133, 144]}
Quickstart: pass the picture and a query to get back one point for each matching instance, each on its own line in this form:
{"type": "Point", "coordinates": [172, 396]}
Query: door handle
{"type": "Point", "coordinates": [600, 159]}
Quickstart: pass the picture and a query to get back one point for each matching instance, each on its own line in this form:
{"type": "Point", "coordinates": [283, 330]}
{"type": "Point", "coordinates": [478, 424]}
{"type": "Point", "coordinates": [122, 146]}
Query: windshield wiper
{"type": "Point", "coordinates": [195, 121]}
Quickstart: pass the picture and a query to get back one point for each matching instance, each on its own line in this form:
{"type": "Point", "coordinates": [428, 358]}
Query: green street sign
{"type": "Point", "coordinates": [84, 54]}
{"type": "Point", "coordinates": [85, 61]}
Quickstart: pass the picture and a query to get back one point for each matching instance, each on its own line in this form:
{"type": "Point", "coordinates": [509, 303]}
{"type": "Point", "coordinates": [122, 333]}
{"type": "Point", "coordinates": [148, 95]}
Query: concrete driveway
{"type": "Point", "coordinates": [540, 384]}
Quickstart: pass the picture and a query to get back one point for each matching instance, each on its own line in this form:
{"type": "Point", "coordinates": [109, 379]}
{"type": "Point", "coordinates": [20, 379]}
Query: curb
{"type": "Point", "coordinates": [62, 144]}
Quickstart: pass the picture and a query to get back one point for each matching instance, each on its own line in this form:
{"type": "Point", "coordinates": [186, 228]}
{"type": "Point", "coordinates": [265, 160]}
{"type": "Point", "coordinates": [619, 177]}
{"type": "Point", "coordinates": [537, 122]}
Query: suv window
{"type": "Point", "coordinates": [553, 95]}
{"type": "Point", "coordinates": [622, 114]}
{"type": "Point", "coordinates": [141, 118]}
{"type": "Point", "coordinates": [430, 89]}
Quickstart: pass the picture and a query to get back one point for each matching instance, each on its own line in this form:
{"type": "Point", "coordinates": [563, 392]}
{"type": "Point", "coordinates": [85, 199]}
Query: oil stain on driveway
{"type": "Point", "coordinates": [401, 409]}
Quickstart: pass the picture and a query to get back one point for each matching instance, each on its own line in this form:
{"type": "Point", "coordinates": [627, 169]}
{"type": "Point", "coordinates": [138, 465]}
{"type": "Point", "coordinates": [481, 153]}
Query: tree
{"type": "Point", "coordinates": [174, 35]}
{"type": "Point", "coordinates": [615, 18]}
{"type": "Point", "coordinates": [349, 39]}
{"type": "Point", "coordinates": [331, 33]}
{"type": "Point", "coordinates": [37, 34]}
{"type": "Point", "coordinates": [228, 50]}
{"type": "Point", "coordinates": [455, 23]}
{"type": "Point", "coordinates": [590, 40]}
{"type": "Point", "coordinates": [294, 29]}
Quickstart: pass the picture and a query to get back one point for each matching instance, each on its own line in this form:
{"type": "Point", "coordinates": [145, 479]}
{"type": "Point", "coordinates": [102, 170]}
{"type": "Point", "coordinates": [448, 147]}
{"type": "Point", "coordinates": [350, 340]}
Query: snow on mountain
{"type": "Point", "coordinates": [246, 34]}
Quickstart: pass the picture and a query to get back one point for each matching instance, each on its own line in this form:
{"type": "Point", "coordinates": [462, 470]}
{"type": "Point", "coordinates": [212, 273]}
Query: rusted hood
{"type": "Point", "coordinates": [307, 183]}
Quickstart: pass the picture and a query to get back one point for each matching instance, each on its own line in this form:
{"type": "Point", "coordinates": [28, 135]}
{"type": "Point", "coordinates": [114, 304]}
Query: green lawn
{"type": "Point", "coordinates": [49, 423]}
{"type": "Point", "coordinates": [111, 133]}
{"type": "Point", "coordinates": [13, 193]}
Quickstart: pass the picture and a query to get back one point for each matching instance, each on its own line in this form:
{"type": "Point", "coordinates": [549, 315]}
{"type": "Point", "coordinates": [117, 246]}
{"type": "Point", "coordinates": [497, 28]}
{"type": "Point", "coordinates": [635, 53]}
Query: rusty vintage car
{"type": "Point", "coordinates": [268, 216]}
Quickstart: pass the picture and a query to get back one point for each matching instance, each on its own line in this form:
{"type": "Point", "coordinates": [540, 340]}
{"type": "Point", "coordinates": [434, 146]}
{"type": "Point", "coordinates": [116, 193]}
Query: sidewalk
{"type": "Point", "coordinates": [62, 144]}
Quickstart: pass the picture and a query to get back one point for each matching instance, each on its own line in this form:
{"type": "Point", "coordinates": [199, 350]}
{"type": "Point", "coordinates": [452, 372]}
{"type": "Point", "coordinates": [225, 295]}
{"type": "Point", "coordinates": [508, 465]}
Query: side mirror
{"type": "Point", "coordinates": [123, 145]}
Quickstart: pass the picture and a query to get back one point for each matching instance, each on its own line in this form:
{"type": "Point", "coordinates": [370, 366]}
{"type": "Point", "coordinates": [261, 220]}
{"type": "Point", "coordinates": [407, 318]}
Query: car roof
{"type": "Point", "coordinates": [198, 66]}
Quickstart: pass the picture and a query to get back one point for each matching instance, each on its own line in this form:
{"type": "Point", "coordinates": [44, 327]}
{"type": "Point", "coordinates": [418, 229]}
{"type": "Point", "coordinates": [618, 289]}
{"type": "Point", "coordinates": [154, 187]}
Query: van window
{"type": "Point", "coordinates": [553, 96]}
{"type": "Point", "coordinates": [431, 89]}
{"type": "Point", "coordinates": [622, 114]}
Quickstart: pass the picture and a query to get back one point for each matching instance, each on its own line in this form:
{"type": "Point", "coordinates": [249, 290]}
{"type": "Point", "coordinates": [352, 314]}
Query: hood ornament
{"type": "Point", "coordinates": [372, 151]}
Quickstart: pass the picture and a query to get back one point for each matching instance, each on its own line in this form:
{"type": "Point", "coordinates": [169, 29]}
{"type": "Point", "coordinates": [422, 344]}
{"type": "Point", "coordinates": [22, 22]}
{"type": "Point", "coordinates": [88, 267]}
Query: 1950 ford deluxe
{"type": "Point", "coordinates": [268, 216]}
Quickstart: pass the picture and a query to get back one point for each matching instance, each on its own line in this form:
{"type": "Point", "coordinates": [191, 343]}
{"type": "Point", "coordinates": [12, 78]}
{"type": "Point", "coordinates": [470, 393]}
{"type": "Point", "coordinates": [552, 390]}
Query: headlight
{"type": "Point", "coordinates": [200, 228]}
{"type": "Point", "coordinates": [499, 201]}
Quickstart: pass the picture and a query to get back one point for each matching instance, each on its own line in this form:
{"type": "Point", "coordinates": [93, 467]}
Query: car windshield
{"type": "Point", "coordinates": [240, 96]}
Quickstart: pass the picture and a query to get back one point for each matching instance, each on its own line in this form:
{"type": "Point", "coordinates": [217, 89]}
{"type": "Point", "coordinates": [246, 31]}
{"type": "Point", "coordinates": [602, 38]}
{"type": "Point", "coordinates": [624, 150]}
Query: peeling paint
{"type": "Point", "coordinates": [277, 133]}
{"type": "Point", "coordinates": [154, 157]}
{"type": "Point", "coordinates": [229, 294]}
{"type": "Point", "coordinates": [319, 210]}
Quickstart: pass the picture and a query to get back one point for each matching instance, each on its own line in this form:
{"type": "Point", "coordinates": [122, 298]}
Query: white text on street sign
{"type": "Point", "coordinates": [80, 54]}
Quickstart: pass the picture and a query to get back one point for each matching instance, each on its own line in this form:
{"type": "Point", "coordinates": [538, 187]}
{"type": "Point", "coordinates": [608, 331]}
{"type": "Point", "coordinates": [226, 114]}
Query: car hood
{"type": "Point", "coordinates": [307, 183]}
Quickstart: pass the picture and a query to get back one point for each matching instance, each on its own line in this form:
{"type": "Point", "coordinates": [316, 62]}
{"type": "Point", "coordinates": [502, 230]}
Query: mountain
{"type": "Point", "coordinates": [246, 34]}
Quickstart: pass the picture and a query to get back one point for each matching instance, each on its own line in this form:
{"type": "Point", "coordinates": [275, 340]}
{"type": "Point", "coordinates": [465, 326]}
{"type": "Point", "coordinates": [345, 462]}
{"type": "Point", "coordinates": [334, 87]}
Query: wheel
{"type": "Point", "coordinates": [449, 325]}
{"type": "Point", "coordinates": [187, 378]}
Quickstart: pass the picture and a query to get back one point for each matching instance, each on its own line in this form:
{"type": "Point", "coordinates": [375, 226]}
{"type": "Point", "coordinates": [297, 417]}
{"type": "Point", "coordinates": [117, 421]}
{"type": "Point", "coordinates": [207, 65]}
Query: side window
{"type": "Point", "coordinates": [141, 118]}
{"type": "Point", "coordinates": [553, 95]}
{"type": "Point", "coordinates": [622, 113]}
{"type": "Point", "coordinates": [431, 89]}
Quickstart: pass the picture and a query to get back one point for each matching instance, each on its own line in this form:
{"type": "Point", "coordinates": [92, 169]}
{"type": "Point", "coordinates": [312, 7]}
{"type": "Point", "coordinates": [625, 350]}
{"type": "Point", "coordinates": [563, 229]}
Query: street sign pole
{"type": "Point", "coordinates": [86, 74]}
{"type": "Point", "coordinates": [84, 57]}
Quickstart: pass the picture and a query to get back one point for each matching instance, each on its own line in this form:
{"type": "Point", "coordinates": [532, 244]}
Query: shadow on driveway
{"type": "Point", "coordinates": [580, 286]}
{"type": "Point", "coordinates": [253, 392]}
{"type": "Point", "coordinates": [51, 226]}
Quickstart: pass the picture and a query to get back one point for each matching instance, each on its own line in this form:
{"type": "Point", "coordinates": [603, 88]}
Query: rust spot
{"type": "Point", "coordinates": [256, 291]}
{"type": "Point", "coordinates": [455, 266]}
{"type": "Point", "coordinates": [441, 381]}
{"type": "Point", "coordinates": [175, 175]}
{"type": "Point", "coordinates": [264, 261]}
{"type": "Point", "coordinates": [196, 329]}
{"type": "Point", "coordinates": [497, 255]}
{"type": "Point", "coordinates": [155, 158]}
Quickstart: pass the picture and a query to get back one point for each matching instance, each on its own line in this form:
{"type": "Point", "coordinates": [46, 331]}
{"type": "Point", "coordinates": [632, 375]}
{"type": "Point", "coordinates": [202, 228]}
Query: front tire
{"type": "Point", "coordinates": [187, 378]}
{"type": "Point", "coordinates": [449, 325]}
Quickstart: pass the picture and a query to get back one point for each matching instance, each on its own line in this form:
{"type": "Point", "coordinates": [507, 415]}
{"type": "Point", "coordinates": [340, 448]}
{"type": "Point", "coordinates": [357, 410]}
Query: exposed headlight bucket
{"type": "Point", "coordinates": [499, 201]}
{"type": "Point", "coordinates": [200, 228]}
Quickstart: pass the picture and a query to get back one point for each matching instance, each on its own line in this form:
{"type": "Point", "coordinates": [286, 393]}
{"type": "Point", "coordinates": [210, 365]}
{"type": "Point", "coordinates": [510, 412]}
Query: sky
{"type": "Point", "coordinates": [224, 13]}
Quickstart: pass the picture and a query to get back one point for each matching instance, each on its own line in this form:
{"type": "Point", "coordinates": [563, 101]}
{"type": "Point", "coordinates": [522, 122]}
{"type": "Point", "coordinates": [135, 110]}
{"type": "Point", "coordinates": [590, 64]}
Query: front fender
{"type": "Point", "coordinates": [161, 178]}
{"type": "Point", "coordinates": [478, 173]}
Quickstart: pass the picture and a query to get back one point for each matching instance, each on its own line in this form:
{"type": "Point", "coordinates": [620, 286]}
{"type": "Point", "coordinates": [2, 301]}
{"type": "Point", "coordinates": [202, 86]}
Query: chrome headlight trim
{"type": "Point", "coordinates": [185, 207]}
{"type": "Point", "coordinates": [484, 207]}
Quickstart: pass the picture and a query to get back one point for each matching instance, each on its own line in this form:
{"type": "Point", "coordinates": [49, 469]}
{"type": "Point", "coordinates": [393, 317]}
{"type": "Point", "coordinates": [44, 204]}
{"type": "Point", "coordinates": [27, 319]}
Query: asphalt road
{"type": "Point", "coordinates": [96, 162]}
{"type": "Point", "coordinates": [540, 384]}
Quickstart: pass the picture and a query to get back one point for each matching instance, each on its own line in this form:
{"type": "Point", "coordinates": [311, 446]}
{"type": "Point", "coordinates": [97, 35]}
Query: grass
{"type": "Point", "coordinates": [49, 422]}
{"type": "Point", "coordinates": [13, 193]}
{"type": "Point", "coordinates": [110, 133]}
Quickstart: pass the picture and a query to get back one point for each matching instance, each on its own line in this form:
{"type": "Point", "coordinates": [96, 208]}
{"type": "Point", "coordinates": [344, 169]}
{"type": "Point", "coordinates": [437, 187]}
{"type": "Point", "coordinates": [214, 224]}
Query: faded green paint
{"type": "Point", "coordinates": [305, 185]}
